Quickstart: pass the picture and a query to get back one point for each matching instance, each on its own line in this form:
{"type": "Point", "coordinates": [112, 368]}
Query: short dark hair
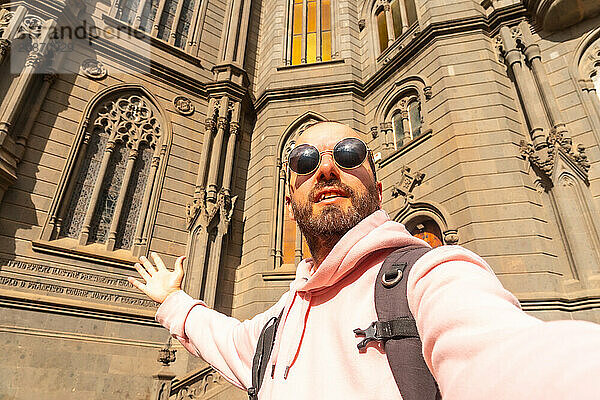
{"type": "Point", "coordinates": [370, 152]}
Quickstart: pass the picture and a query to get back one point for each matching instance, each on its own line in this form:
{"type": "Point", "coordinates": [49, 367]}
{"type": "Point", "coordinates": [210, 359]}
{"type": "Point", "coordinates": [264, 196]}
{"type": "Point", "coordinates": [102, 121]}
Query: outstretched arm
{"type": "Point", "coordinates": [224, 342]}
{"type": "Point", "coordinates": [479, 344]}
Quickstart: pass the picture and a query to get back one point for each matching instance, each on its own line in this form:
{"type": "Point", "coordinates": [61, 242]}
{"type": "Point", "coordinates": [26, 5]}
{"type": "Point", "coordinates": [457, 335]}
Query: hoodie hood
{"type": "Point", "coordinates": [374, 233]}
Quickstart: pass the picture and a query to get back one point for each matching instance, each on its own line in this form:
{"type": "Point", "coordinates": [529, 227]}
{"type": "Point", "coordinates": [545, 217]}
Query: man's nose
{"type": "Point", "coordinates": [328, 169]}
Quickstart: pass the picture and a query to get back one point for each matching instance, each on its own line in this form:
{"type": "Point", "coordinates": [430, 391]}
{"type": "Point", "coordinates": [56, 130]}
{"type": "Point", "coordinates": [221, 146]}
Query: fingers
{"type": "Point", "coordinates": [179, 265]}
{"type": "Point", "coordinates": [158, 261]}
{"type": "Point", "coordinates": [139, 285]}
{"type": "Point", "coordinates": [142, 272]}
{"type": "Point", "coordinates": [148, 265]}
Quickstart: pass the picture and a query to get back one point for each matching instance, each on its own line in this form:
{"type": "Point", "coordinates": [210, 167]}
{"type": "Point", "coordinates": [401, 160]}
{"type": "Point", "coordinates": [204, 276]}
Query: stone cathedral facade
{"type": "Point", "coordinates": [130, 126]}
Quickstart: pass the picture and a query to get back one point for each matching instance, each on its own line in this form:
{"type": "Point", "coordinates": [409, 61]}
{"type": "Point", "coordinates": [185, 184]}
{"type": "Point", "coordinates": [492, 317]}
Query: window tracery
{"type": "Point", "coordinates": [116, 164]}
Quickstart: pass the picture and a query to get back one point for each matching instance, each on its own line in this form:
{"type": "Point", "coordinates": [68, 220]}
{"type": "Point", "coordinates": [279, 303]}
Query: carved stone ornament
{"type": "Point", "coordinates": [361, 24]}
{"type": "Point", "coordinates": [407, 183]}
{"type": "Point", "coordinates": [183, 105]}
{"type": "Point", "coordinates": [94, 69]}
{"type": "Point", "coordinates": [427, 92]}
{"type": "Point", "coordinates": [30, 26]}
{"type": "Point", "coordinates": [451, 237]}
{"type": "Point", "coordinates": [4, 46]}
{"type": "Point", "coordinates": [5, 20]}
{"type": "Point", "coordinates": [544, 158]}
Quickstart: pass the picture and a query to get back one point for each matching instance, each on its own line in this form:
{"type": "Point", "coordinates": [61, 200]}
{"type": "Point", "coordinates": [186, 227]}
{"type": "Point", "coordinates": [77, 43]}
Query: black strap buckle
{"type": "Point", "coordinates": [372, 333]}
{"type": "Point", "coordinates": [399, 328]}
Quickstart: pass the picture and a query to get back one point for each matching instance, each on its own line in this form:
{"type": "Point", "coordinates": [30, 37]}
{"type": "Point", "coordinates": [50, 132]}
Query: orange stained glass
{"type": "Point", "coordinates": [297, 50]}
{"type": "Point", "coordinates": [326, 46]}
{"type": "Point", "coordinates": [325, 15]}
{"type": "Point", "coordinates": [430, 232]}
{"type": "Point", "coordinates": [311, 48]}
{"type": "Point", "coordinates": [382, 29]}
{"type": "Point", "coordinates": [397, 18]}
{"type": "Point", "coordinates": [311, 20]}
{"type": "Point", "coordinates": [297, 18]}
{"type": "Point", "coordinates": [305, 249]}
{"type": "Point", "coordinates": [411, 11]}
{"type": "Point", "coordinates": [289, 240]}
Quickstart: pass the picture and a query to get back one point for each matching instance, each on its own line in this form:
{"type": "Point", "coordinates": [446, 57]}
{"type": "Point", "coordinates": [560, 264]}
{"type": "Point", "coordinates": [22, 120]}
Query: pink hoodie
{"type": "Point", "coordinates": [315, 354]}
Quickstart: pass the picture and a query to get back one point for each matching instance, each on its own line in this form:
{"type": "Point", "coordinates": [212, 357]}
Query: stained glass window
{"type": "Point", "coordinates": [175, 17]}
{"type": "Point", "coordinates": [411, 11]}
{"type": "Point", "coordinates": [397, 18]}
{"type": "Point", "coordinates": [109, 195]}
{"type": "Point", "coordinates": [148, 15]}
{"type": "Point", "coordinates": [311, 36]}
{"type": "Point", "coordinates": [414, 118]}
{"type": "Point", "coordinates": [326, 30]}
{"type": "Point", "coordinates": [127, 10]}
{"type": "Point", "coordinates": [84, 186]}
{"type": "Point", "coordinates": [402, 13]}
{"type": "Point", "coordinates": [382, 29]}
{"type": "Point", "coordinates": [133, 198]}
{"type": "Point", "coordinates": [429, 231]}
{"type": "Point", "coordinates": [398, 130]}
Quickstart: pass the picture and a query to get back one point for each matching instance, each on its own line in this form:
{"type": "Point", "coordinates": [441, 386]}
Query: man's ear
{"type": "Point", "coordinates": [288, 204]}
{"type": "Point", "coordinates": [380, 193]}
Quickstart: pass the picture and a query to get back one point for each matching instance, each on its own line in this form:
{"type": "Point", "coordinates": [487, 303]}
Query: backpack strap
{"type": "Point", "coordinates": [264, 347]}
{"type": "Point", "coordinates": [397, 329]}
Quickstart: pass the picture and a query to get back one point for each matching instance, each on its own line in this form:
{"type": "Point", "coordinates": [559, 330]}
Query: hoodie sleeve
{"type": "Point", "coordinates": [479, 344]}
{"type": "Point", "coordinates": [224, 342]}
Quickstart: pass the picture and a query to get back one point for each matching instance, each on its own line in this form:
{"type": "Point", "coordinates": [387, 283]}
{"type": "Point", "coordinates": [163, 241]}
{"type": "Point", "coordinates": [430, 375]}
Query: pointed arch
{"type": "Point", "coordinates": [284, 145]}
{"type": "Point", "coordinates": [401, 115]}
{"type": "Point", "coordinates": [415, 213]}
{"type": "Point", "coordinates": [108, 192]}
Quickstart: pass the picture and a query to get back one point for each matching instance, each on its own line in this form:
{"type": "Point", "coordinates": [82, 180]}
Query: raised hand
{"type": "Point", "coordinates": [160, 282]}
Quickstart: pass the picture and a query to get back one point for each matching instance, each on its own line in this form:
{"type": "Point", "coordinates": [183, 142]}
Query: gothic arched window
{"type": "Point", "coordinates": [393, 18]}
{"type": "Point", "coordinates": [110, 177]}
{"type": "Point", "coordinates": [310, 31]}
{"type": "Point", "coordinates": [403, 122]}
{"type": "Point", "coordinates": [168, 20]}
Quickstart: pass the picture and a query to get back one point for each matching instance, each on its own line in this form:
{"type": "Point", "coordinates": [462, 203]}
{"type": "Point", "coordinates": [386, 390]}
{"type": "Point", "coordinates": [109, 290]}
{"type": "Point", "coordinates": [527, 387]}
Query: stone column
{"type": "Point", "coordinates": [209, 126]}
{"type": "Point", "coordinates": [11, 104]}
{"type": "Point", "coordinates": [215, 159]}
{"type": "Point", "coordinates": [389, 19]}
{"type": "Point", "coordinates": [403, 16]}
{"type": "Point", "coordinates": [85, 230]}
{"type": "Point", "coordinates": [531, 102]}
{"type": "Point", "coordinates": [534, 58]}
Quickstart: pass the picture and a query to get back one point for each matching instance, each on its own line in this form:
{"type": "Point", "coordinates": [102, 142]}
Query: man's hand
{"type": "Point", "coordinates": [160, 282]}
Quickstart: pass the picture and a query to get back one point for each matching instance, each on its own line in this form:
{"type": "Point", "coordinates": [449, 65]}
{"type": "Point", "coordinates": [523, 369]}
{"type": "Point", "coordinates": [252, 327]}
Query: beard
{"type": "Point", "coordinates": [328, 227]}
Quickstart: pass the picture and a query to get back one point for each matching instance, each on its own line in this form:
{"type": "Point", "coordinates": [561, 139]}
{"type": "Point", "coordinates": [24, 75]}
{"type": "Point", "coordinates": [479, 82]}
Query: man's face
{"type": "Point", "coordinates": [331, 200]}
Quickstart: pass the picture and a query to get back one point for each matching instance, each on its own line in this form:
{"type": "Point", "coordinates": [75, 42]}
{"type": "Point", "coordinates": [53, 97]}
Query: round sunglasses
{"type": "Point", "coordinates": [348, 153]}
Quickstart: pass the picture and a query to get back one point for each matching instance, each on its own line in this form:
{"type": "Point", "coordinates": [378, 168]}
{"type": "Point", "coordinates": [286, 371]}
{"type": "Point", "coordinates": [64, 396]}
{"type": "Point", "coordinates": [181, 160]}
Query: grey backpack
{"type": "Point", "coordinates": [396, 328]}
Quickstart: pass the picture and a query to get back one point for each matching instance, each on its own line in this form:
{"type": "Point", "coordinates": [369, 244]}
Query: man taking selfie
{"type": "Point", "coordinates": [470, 332]}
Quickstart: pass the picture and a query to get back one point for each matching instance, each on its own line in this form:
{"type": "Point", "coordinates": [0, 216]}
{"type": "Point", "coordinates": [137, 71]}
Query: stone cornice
{"type": "Point", "coordinates": [141, 64]}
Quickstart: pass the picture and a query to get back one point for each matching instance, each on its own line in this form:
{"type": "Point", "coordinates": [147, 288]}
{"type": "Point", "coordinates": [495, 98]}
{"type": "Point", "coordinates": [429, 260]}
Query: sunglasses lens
{"type": "Point", "coordinates": [304, 159]}
{"type": "Point", "coordinates": [350, 152]}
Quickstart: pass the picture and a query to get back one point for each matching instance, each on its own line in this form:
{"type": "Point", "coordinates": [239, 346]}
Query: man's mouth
{"type": "Point", "coordinates": [329, 195]}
